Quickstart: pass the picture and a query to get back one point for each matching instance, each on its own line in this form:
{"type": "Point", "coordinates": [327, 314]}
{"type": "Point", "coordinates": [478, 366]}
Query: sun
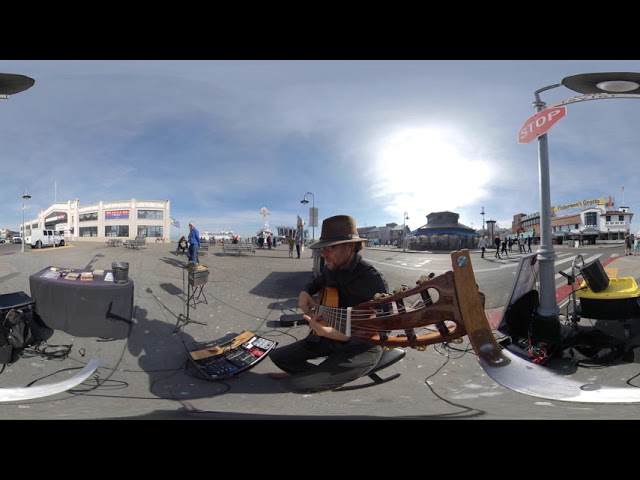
{"type": "Point", "coordinates": [431, 167]}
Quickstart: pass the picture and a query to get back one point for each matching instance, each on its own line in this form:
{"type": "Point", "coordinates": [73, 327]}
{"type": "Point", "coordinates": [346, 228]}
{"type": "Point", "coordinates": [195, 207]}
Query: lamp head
{"type": "Point", "coordinates": [25, 195]}
{"type": "Point", "coordinates": [605, 82]}
{"type": "Point", "coordinates": [304, 201]}
{"type": "Point", "coordinates": [11, 83]}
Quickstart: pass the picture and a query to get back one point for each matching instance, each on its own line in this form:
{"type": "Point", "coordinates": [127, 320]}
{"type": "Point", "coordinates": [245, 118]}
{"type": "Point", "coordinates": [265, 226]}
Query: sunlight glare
{"type": "Point", "coordinates": [429, 170]}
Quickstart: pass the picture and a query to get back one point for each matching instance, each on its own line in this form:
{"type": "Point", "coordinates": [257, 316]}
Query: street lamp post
{"type": "Point", "coordinates": [592, 86]}
{"type": "Point", "coordinates": [25, 196]}
{"type": "Point", "coordinates": [405, 217]}
{"type": "Point", "coordinates": [482, 213]}
{"type": "Point", "coordinates": [313, 216]}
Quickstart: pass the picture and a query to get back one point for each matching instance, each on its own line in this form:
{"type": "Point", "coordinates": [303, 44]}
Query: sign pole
{"type": "Point", "coordinates": [546, 254]}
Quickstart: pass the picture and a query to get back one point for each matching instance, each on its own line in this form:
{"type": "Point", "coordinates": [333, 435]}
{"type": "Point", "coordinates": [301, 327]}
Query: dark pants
{"type": "Point", "coordinates": [192, 253]}
{"type": "Point", "coordinates": [344, 363]}
{"type": "Point", "coordinates": [298, 250]}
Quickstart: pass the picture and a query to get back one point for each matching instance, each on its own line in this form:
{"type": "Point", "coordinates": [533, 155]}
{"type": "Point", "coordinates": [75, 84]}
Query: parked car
{"type": "Point", "coordinates": [2, 240]}
{"type": "Point", "coordinates": [17, 240]}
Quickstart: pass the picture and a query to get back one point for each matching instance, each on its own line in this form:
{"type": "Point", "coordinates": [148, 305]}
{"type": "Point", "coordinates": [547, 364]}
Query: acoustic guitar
{"type": "Point", "coordinates": [410, 317]}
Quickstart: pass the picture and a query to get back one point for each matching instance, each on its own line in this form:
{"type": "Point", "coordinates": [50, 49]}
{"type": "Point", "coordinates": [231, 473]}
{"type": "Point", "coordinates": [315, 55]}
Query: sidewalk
{"type": "Point", "coordinates": [147, 375]}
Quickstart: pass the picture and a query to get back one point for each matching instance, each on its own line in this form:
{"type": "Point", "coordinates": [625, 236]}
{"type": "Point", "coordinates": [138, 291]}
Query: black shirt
{"type": "Point", "coordinates": [355, 285]}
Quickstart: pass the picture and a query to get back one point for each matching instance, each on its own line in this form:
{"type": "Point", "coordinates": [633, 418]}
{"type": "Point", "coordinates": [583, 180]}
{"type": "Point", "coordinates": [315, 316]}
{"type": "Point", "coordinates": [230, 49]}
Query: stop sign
{"type": "Point", "coordinates": [540, 123]}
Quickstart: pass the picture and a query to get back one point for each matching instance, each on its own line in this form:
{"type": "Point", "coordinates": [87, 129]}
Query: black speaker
{"type": "Point", "coordinates": [595, 276]}
{"type": "Point", "coordinates": [6, 352]}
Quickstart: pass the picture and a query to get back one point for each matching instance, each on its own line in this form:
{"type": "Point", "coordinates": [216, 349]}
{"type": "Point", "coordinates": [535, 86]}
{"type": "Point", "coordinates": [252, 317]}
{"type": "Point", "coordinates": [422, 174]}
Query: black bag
{"type": "Point", "coordinates": [590, 346]}
{"type": "Point", "coordinates": [16, 329]}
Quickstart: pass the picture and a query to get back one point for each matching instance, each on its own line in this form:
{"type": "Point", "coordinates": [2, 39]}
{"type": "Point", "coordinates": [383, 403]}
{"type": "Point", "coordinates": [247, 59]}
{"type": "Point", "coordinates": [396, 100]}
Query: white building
{"type": "Point", "coordinates": [106, 219]}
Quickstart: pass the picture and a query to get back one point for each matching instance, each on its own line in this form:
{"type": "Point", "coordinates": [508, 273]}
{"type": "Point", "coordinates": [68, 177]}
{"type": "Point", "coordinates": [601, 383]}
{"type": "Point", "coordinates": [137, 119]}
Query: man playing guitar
{"type": "Point", "coordinates": [355, 281]}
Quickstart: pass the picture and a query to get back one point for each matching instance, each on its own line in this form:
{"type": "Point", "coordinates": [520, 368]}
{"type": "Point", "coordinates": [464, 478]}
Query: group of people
{"type": "Point", "coordinates": [294, 242]}
{"type": "Point", "coordinates": [270, 241]}
{"type": "Point", "coordinates": [504, 245]}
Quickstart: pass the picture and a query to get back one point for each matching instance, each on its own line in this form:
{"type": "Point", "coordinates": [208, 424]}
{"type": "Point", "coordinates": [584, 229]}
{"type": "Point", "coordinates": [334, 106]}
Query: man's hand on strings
{"type": "Point", "coordinates": [306, 303]}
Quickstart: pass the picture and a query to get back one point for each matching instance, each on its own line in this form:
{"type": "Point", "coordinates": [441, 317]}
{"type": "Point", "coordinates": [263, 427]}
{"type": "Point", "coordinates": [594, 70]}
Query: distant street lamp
{"type": "Point", "coordinates": [314, 215]}
{"type": "Point", "coordinates": [404, 228]}
{"type": "Point", "coordinates": [482, 213]}
{"type": "Point", "coordinates": [592, 86]}
{"type": "Point", "coordinates": [25, 196]}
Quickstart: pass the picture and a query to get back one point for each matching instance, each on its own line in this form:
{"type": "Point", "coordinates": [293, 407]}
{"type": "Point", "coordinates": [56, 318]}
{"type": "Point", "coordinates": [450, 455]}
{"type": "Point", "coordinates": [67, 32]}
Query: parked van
{"type": "Point", "coordinates": [44, 238]}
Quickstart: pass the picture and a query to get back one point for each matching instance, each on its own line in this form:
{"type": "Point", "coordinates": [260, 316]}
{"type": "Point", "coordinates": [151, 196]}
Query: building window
{"type": "Point", "coordinates": [151, 214]}
{"type": "Point", "coordinates": [608, 218]}
{"type": "Point", "coordinates": [150, 230]}
{"type": "Point", "coordinates": [88, 231]}
{"type": "Point", "coordinates": [116, 231]}
{"type": "Point", "coordinates": [590, 219]}
{"type": "Point", "coordinates": [86, 217]}
{"type": "Point", "coordinates": [621, 218]}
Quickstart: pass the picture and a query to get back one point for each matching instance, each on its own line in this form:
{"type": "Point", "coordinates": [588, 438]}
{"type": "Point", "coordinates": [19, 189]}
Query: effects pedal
{"type": "Point", "coordinates": [223, 359]}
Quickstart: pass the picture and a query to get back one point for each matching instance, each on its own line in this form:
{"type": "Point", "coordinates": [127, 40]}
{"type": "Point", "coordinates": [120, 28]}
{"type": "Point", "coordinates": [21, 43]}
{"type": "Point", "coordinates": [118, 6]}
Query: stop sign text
{"type": "Point", "coordinates": [540, 123]}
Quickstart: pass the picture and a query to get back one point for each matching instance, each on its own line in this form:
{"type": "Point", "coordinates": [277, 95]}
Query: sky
{"type": "Point", "coordinates": [374, 139]}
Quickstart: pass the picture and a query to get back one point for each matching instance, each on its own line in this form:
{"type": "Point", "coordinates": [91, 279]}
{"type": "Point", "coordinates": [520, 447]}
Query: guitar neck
{"type": "Point", "coordinates": [337, 318]}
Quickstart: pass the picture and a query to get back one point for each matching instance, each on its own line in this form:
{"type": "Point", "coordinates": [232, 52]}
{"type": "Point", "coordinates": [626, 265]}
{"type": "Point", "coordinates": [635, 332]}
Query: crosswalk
{"type": "Point", "coordinates": [442, 263]}
{"type": "Point", "coordinates": [564, 262]}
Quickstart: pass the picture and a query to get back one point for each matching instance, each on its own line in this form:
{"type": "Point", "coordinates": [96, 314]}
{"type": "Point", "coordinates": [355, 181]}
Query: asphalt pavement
{"type": "Point", "coordinates": [149, 376]}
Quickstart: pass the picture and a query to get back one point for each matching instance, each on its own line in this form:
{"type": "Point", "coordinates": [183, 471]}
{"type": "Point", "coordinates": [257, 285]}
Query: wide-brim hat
{"type": "Point", "coordinates": [336, 230]}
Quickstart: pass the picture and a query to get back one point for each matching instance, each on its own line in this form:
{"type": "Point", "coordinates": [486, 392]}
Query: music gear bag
{"type": "Point", "coordinates": [15, 335]}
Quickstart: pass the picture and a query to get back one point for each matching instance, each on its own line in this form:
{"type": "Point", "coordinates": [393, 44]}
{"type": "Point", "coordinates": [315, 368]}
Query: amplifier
{"type": "Point", "coordinates": [199, 276]}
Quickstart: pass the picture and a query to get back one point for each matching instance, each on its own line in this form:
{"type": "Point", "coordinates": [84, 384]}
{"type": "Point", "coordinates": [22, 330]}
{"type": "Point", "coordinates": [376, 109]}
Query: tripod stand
{"type": "Point", "coordinates": [194, 292]}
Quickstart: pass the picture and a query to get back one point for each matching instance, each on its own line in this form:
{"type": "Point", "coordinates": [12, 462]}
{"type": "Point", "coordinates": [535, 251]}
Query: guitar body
{"type": "Point", "coordinates": [329, 297]}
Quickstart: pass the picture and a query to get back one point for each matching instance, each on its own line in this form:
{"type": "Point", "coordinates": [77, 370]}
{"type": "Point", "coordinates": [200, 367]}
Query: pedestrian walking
{"type": "Point", "coordinates": [483, 243]}
{"type": "Point", "coordinates": [298, 244]}
{"type": "Point", "coordinates": [496, 242]}
{"type": "Point", "coordinates": [503, 247]}
{"type": "Point", "coordinates": [291, 242]}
